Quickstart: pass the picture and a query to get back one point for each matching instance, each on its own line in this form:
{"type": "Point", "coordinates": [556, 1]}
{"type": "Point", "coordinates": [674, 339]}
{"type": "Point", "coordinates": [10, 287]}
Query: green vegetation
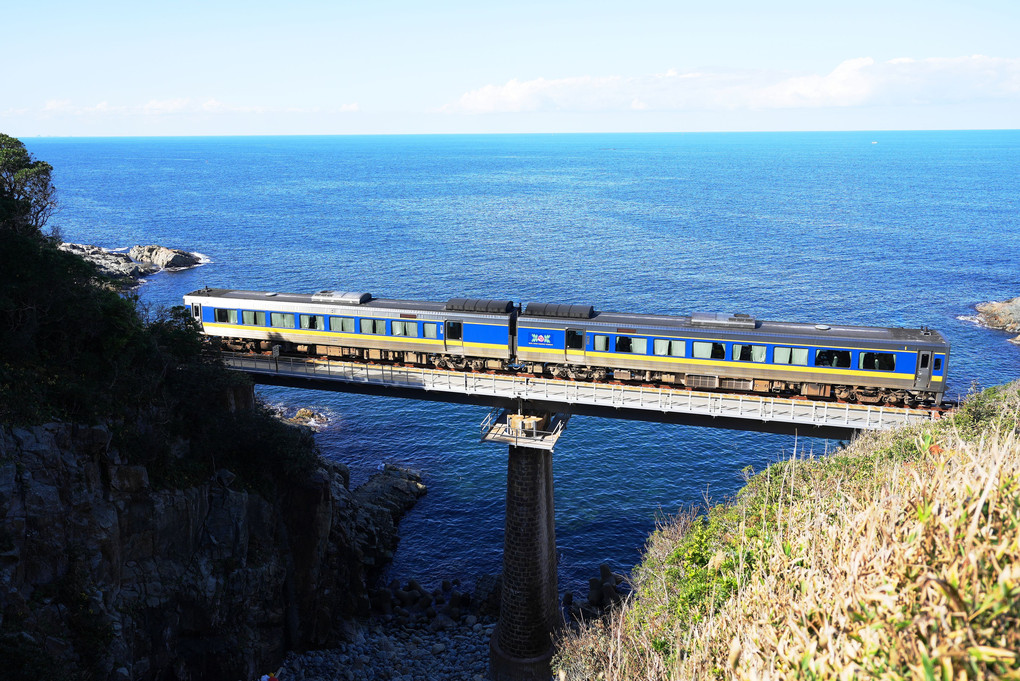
{"type": "Point", "coordinates": [27, 197]}
{"type": "Point", "coordinates": [897, 557]}
{"type": "Point", "coordinates": [76, 349]}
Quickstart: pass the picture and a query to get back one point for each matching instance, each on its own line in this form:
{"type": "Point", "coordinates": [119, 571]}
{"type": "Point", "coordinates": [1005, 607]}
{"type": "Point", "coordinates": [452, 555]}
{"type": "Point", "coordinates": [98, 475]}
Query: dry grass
{"type": "Point", "coordinates": [897, 557]}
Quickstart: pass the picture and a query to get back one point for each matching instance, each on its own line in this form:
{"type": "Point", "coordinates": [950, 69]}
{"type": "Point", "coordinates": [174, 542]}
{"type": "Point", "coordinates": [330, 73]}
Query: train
{"type": "Point", "coordinates": [705, 351]}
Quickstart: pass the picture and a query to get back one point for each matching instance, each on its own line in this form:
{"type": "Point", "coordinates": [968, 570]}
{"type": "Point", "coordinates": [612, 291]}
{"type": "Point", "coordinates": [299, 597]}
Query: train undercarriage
{"type": "Point", "coordinates": [824, 391]}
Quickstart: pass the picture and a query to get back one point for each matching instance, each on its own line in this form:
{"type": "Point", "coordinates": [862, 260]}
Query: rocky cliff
{"type": "Point", "coordinates": [104, 576]}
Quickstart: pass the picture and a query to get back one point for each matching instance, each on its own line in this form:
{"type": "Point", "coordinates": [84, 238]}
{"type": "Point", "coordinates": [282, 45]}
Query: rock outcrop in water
{"type": "Point", "coordinates": [104, 574]}
{"type": "Point", "coordinates": [1003, 315]}
{"type": "Point", "coordinates": [114, 265]}
{"type": "Point", "coordinates": [163, 257]}
{"type": "Point", "coordinates": [139, 262]}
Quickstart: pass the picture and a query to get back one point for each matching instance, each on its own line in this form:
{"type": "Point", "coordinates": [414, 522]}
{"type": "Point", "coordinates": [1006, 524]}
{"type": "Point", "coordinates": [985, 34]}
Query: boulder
{"type": "Point", "coordinates": [488, 593]}
{"type": "Point", "coordinates": [163, 257]}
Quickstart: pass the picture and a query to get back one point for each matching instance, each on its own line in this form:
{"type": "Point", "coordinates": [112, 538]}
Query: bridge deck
{"type": "Point", "coordinates": [720, 410]}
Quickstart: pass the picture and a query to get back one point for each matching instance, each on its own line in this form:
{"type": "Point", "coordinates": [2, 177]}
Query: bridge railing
{"type": "Point", "coordinates": [667, 400]}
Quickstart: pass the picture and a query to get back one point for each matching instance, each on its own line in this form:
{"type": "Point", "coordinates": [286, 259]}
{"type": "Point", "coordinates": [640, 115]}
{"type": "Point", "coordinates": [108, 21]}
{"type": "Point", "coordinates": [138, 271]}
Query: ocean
{"type": "Point", "coordinates": [873, 228]}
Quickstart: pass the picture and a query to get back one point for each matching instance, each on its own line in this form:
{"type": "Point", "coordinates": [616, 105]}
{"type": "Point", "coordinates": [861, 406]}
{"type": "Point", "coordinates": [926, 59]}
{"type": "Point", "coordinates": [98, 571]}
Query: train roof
{"type": "Point", "coordinates": [743, 325]}
{"type": "Point", "coordinates": [325, 297]}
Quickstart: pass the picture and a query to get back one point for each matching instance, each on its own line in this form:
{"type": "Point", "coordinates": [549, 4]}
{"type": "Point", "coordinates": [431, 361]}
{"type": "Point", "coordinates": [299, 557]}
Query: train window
{"type": "Point", "coordinates": [706, 350]}
{"type": "Point", "coordinates": [749, 353]}
{"type": "Point", "coordinates": [880, 361]}
{"type": "Point", "coordinates": [938, 364]}
{"type": "Point", "coordinates": [283, 320]}
{"type": "Point", "coordinates": [253, 317]}
{"type": "Point", "coordinates": [637, 346]}
{"type": "Point", "coordinates": [409, 329]}
{"type": "Point", "coordinates": [454, 331]}
{"type": "Point", "coordinates": [839, 359]}
{"type": "Point", "coordinates": [313, 321]}
{"type": "Point", "coordinates": [196, 311]}
{"type": "Point", "coordinates": [601, 343]}
{"type": "Point", "coordinates": [375, 326]}
{"type": "Point", "coordinates": [798, 356]}
{"type": "Point", "coordinates": [342, 324]}
{"type": "Point", "coordinates": [924, 360]}
{"type": "Point", "coordinates": [431, 330]}
{"type": "Point", "coordinates": [663, 346]}
{"type": "Point", "coordinates": [575, 339]}
{"type": "Point", "coordinates": [225, 316]}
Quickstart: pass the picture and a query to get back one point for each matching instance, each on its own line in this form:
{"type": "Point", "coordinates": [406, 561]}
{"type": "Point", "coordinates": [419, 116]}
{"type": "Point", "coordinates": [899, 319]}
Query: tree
{"type": "Point", "coordinates": [27, 196]}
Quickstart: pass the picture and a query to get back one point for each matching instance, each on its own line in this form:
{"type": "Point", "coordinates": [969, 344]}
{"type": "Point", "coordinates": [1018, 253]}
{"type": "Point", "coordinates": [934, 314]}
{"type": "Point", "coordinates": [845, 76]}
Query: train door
{"type": "Point", "coordinates": [573, 347]}
{"type": "Point", "coordinates": [453, 334]}
{"type": "Point", "coordinates": [923, 370]}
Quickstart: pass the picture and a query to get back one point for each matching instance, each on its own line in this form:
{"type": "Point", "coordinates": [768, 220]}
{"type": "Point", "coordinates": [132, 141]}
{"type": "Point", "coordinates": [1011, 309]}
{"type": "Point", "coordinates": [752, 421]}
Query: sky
{"type": "Point", "coordinates": [396, 67]}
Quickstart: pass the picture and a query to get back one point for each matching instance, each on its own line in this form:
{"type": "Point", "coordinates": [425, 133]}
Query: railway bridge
{"type": "Point", "coordinates": [529, 414]}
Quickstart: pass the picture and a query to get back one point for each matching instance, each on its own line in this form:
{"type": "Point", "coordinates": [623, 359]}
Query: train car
{"type": "Point", "coordinates": [703, 351]}
{"type": "Point", "coordinates": [735, 352]}
{"type": "Point", "coordinates": [461, 333]}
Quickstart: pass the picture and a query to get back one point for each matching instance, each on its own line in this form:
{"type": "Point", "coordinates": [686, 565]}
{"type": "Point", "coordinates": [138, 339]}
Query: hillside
{"type": "Point", "coordinates": [897, 556]}
{"type": "Point", "coordinates": [155, 523]}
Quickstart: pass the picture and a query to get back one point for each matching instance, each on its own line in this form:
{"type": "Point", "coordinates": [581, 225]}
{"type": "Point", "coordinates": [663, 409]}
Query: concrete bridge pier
{"type": "Point", "coordinates": [521, 645]}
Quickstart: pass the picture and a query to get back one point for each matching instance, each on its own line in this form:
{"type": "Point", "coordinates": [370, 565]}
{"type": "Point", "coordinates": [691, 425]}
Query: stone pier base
{"type": "Point", "coordinates": [521, 645]}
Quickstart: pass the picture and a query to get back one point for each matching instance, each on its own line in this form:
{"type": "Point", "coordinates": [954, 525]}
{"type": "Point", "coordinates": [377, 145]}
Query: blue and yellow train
{"type": "Point", "coordinates": [704, 351]}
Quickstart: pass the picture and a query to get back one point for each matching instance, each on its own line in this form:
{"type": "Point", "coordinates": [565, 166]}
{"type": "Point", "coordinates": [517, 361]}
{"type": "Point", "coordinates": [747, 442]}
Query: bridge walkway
{"type": "Point", "coordinates": [720, 410]}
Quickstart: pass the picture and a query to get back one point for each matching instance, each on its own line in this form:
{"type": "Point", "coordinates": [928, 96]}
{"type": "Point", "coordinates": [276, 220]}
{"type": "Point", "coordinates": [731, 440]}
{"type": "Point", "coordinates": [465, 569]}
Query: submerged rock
{"type": "Point", "coordinates": [1003, 315]}
{"type": "Point", "coordinates": [305, 417]}
{"type": "Point", "coordinates": [163, 257]}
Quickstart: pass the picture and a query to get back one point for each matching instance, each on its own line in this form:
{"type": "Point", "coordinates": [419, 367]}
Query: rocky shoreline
{"type": "Point", "coordinates": [138, 262]}
{"type": "Point", "coordinates": [384, 649]}
{"type": "Point", "coordinates": [1004, 316]}
{"type": "Point", "coordinates": [443, 634]}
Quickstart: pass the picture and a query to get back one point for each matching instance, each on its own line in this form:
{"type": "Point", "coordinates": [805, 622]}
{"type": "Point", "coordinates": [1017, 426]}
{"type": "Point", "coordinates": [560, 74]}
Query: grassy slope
{"type": "Point", "coordinates": [896, 557]}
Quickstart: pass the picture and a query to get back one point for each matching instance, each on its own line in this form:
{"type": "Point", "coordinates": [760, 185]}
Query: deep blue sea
{"type": "Point", "coordinates": [876, 228]}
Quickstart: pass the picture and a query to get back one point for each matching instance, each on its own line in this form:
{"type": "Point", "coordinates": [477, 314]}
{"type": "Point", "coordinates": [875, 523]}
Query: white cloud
{"type": "Point", "coordinates": [160, 107]}
{"type": "Point", "coordinates": [855, 82]}
{"type": "Point", "coordinates": [57, 105]}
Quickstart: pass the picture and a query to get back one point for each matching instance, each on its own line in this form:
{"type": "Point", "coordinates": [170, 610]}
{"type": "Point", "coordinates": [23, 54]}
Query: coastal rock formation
{"type": "Point", "coordinates": [163, 257]}
{"type": "Point", "coordinates": [303, 417]}
{"type": "Point", "coordinates": [1003, 315]}
{"type": "Point", "coordinates": [139, 262]}
{"type": "Point", "coordinates": [103, 573]}
{"type": "Point", "coordinates": [115, 265]}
